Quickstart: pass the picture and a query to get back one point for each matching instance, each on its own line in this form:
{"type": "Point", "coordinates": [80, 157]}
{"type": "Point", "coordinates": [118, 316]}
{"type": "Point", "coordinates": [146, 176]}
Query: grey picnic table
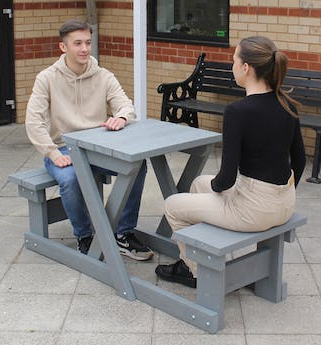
{"type": "Point", "coordinates": [208, 245]}
{"type": "Point", "coordinates": [123, 152]}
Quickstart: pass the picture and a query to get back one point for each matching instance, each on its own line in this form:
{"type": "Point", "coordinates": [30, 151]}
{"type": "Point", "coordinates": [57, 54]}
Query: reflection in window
{"type": "Point", "coordinates": [192, 20]}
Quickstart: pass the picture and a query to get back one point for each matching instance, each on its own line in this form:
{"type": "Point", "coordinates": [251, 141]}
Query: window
{"type": "Point", "coordinates": [194, 21]}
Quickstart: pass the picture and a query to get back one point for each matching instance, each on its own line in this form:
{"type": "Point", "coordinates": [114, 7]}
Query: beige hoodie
{"type": "Point", "coordinates": [63, 102]}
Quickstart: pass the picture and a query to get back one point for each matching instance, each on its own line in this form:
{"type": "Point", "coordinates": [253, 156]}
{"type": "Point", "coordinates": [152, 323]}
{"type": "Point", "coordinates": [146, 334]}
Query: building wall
{"type": "Point", "coordinates": [294, 25]}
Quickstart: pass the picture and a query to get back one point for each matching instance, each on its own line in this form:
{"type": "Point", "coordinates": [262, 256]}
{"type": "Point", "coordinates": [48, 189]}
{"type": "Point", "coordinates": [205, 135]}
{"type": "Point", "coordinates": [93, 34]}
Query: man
{"type": "Point", "coordinates": [74, 94]}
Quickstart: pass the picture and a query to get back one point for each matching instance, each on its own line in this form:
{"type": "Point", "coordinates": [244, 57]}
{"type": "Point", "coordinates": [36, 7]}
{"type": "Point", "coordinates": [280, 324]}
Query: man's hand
{"type": "Point", "coordinates": [114, 123]}
{"type": "Point", "coordinates": [62, 161]}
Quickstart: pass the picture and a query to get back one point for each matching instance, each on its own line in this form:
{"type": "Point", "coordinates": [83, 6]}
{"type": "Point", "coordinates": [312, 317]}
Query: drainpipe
{"type": "Point", "coordinates": [92, 20]}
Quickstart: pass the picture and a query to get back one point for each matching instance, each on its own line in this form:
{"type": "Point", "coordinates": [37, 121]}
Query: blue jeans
{"type": "Point", "coordinates": [74, 204]}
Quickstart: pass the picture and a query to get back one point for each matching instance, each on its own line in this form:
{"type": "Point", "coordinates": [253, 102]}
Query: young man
{"type": "Point", "coordinates": [74, 94]}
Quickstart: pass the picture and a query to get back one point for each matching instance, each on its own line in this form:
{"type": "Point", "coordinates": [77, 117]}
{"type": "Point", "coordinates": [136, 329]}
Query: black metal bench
{"type": "Point", "coordinates": [32, 185]}
{"type": "Point", "coordinates": [180, 102]}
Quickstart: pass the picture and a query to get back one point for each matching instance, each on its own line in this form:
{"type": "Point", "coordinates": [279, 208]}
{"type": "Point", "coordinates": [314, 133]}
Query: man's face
{"type": "Point", "coordinates": [77, 46]}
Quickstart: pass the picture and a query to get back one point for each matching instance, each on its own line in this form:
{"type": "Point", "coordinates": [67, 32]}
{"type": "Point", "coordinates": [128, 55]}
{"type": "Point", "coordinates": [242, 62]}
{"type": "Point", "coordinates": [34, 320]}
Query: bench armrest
{"type": "Point", "coordinates": [165, 88]}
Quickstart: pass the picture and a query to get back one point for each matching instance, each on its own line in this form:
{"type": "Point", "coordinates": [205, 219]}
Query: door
{"type": "Point", "coordinates": [7, 77]}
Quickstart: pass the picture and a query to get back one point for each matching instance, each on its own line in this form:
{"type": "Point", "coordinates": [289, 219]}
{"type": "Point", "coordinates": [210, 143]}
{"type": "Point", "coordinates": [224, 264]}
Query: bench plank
{"type": "Point", "coordinates": [220, 241]}
{"type": "Point", "coordinates": [35, 179]}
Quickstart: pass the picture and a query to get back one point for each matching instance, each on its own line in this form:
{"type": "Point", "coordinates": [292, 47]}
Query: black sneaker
{"type": "Point", "coordinates": [84, 244]}
{"type": "Point", "coordinates": [177, 273]}
{"type": "Point", "coordinates": [130, 246]}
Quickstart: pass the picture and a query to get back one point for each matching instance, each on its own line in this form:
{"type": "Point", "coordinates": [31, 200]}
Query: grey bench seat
{"type": "Point", "coordinates": [208, 245]}
{"type": "Point", "coordinates": [32, 185]}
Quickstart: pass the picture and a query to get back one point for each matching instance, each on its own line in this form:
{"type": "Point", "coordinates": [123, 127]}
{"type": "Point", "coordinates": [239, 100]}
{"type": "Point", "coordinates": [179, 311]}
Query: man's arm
{"type": "Point", "coordinates": [119, 105]}
{"type": "Point", "coordinates": [38, 120]}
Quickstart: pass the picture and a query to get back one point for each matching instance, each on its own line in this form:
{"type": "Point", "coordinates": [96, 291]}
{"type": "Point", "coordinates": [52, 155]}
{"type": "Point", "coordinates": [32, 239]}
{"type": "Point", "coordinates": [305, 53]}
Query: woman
{"type": "Point", "coordinates": [262, 141]}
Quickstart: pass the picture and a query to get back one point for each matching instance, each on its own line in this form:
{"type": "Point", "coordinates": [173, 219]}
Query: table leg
{"type": "Point", "coordinates": [193, 168]}
{"type": "Point", "coordinates": [103, 227]}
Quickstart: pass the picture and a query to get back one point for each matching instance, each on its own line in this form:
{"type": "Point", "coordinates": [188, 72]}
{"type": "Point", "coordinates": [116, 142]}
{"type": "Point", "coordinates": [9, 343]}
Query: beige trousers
{"type": "Point", "coordinates": [250, 205]}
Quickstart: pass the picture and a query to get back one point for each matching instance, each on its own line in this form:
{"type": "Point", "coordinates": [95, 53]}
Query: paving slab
{"type": "Point", "coordinates": [311, 229]}
{"type": "Point", "coordinates": [311, 248]}
{"type": "Point", "coordinates": [3, 269]}
{"type": "Point", "coordinates": [28, 338]}
{"type": "Point", "coordinates": [33, 312]}
{"type": "Point", "coordinates": [61, 229]}
{"type": "Point", "coordinates": [283, 339]}
{"type": "Point", "coordinates": [112, 314]}
{"type": "Point", "coordinates": [316, 270]}
{"type": "Point", "coordinates": [199, 339]}
{"type": "Point", "coordinates": [295, 315]}
{"type": "Point", "coordinates": [40, 279]}
{"type": "Point", "coordinates": [300, 280]}
{"type": "Point", "coordinates": [293, 253]}
{"type": "Point", "coordinates": [9, 249]}
{"type": "Point", "coordinates": [93, 287]}
{"type": "Point", "coordinates": [27, 256]}
{"type": "Point", "coordinates": [13, 227]}
{"type": "Point", "coordinates": [104, 339]}
{"type": "Point", "coordinates": [307, 206]}
{"type": "Point", "coordinates": [13, 206]}
{"type": "Point", "coordinates": [142, 270]}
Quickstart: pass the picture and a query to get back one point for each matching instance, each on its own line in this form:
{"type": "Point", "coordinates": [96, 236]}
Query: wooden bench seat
{"type": "Point", "coordinates": [32, 185]}
{"type": "Point", "coordinates": [208, 245]}
{"type": "Point", "coordinates": [181, 103]}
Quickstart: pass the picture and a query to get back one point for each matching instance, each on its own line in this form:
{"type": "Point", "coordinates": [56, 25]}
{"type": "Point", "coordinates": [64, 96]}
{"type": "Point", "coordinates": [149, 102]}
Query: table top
{"type": "Point", "coordinates": [141, 139]}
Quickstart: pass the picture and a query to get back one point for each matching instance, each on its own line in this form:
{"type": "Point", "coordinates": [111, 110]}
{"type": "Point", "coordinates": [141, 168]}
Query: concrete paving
{"type": "Point", "coordinates": [43, 302]}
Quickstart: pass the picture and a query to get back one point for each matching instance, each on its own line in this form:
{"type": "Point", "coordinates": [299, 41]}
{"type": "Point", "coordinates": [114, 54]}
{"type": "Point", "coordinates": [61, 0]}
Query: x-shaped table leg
{"type": "Point", "coordinates": [104, 220]}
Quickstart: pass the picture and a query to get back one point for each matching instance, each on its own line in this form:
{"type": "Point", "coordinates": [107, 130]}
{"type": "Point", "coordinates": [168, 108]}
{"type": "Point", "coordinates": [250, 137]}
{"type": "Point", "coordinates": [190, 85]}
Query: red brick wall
{"type": "Point", "coordinates": [295, 30]}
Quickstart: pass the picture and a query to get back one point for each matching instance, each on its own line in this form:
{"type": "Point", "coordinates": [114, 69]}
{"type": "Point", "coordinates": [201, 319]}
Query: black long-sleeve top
{"type": "Point", "coordinates": [261, 140]}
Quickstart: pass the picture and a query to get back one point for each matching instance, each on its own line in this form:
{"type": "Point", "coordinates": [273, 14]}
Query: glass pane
{"type": "Point", "coordinates": [205, 18]}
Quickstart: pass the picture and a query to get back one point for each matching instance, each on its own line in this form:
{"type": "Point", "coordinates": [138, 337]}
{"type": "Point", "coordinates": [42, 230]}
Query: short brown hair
{"type": "Point", "coordinates": [73, 25]}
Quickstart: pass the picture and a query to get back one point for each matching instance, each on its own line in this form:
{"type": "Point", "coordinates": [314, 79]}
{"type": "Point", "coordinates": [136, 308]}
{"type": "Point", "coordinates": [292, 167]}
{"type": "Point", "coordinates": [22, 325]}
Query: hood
{"type": "Point", "coordinates": [77, 80]}
{"type": "Point", "coordinates": [91, 69]}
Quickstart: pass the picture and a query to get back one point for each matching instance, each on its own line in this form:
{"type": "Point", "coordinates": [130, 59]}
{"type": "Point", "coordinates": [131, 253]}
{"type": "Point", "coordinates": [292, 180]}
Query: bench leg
{"type": "Point", "coordinates": [316, 160]}
{"type": "Point", "coordinates": [38, 218]}
{"type": "Point", "coordinates": [211, 287]}
{"type": "Point", "coordinates": [272, 287]}
{"type": "Point", "coordinates": [190, 117]}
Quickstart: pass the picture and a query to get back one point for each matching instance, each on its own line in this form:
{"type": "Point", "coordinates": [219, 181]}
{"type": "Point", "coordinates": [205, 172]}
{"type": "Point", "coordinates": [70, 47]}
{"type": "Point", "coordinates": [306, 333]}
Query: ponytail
{"type": "Point", "coordinates": [277, 77]}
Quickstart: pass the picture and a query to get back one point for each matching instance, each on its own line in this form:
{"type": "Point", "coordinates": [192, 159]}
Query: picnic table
{"type": "Point", "coordinates": [123, 152]}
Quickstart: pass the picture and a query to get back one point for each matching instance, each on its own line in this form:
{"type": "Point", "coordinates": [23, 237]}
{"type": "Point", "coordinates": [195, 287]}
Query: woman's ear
{"type": "Point", "coordinates": [246, 67]}
{"type": "Point", "coordinates": [62, 47]}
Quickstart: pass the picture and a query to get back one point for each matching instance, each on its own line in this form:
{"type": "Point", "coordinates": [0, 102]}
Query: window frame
{"type": "Point", "coordinates": [153, 35]}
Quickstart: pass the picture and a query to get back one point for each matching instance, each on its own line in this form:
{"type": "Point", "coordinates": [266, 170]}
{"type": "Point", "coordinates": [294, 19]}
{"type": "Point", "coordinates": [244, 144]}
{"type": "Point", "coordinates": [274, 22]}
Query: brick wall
{"type": "Point", "coordinates": [36, 26]}
{"type": "Point", "coordinates": [294, 25]}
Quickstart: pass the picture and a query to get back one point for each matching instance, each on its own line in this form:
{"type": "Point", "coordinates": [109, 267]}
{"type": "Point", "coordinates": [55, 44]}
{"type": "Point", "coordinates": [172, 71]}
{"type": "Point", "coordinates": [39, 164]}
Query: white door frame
{"type": "Point", "coordinates": [140, 58]}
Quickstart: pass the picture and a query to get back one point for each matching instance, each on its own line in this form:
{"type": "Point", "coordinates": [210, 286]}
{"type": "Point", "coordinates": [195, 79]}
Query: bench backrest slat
{"type": "Point", "coordinates": [223, 90]}
{"type": "Point", "coordinates": [303, 83]}
{"type": "Point", "coordinates": [303, 73]}
{"type": "Point", "coordinates": [217, 77]}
